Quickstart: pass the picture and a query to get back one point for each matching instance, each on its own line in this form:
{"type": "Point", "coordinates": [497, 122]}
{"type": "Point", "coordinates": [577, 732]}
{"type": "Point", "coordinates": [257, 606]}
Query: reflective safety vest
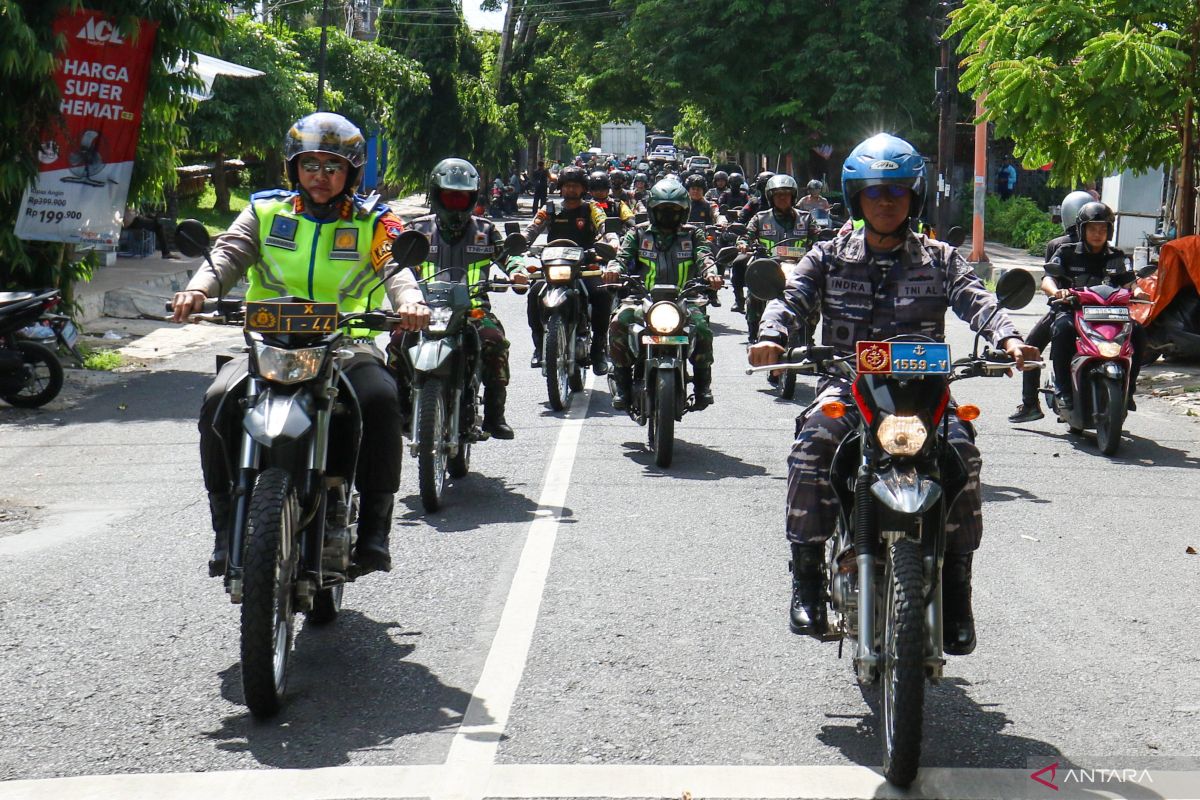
{"type": "Point", "coordinates": [467, 259]}
{"type": "Point", "coordinates": [672, 265]}
{"type": "Point", "coordinates": [329, 262]}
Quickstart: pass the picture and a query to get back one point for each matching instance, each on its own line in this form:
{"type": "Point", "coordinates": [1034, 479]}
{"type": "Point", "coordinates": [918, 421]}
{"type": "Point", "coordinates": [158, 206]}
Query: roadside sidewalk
{"type": "Point", "coordinates": [1002, 258]}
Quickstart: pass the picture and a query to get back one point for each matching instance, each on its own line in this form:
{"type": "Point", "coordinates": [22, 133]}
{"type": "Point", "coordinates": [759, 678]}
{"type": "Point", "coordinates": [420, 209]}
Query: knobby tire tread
{"type": "Point", "coordinates": [664, 418]}
{"type": "Point", "coordinates": [900, 764]}
{"type": "Point", "coordinates": [264, 536]}
{"type": "Point", "coordinates": [430, 483]}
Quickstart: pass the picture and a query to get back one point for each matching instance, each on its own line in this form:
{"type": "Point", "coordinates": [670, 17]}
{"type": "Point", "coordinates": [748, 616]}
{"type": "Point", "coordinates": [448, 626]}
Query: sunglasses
{"type": "Point", "coordinates": [890, 190]}
{"type": "Point", "coordinates": [313, 166]}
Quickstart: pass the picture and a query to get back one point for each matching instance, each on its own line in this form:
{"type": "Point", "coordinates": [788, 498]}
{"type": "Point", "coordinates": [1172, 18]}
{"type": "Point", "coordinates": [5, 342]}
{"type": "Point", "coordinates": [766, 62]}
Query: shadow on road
{"type": "Point", "coordinates": [475, 501]}
{"type": "Point", "coordinates": [353, 686]}
{"type": "Point", "coordinates": [693, 462]}
{"type": "Point", "coordinates": [1000, 494]}
{"type": "Point", "coordinates": [1135, 451]}
{"type": "Point", "coordinates": [138, 397]}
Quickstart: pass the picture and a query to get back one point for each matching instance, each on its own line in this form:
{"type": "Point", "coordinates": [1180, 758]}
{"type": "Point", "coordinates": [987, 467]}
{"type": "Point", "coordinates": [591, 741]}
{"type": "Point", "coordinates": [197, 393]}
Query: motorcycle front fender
{"type": "Point", "coordinates": [555, 297]}
{"type": "Point", "coordinates": [277, 418]}
{"type": "Point", "coordinates": [906, 491]}
{"type": "Point", "coordinates": [431, 355]}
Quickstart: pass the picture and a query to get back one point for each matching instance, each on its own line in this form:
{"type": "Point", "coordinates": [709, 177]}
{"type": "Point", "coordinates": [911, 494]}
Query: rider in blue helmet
{"type": "Point", "coordinates": [874, 283]}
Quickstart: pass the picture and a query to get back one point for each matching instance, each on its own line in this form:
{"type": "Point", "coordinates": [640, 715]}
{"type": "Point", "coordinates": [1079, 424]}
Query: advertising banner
{"type": "Point", "coordinates": [87, 158]}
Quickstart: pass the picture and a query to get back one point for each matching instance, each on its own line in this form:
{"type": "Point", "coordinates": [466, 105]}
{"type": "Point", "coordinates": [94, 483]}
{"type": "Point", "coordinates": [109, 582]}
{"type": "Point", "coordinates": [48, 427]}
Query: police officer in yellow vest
{"type": "Point", "coordinates": [462, 247]}
{"type": "Point", "coordinates": [322, 242]}
{"type": "Point", "coordinates": [663, 250]}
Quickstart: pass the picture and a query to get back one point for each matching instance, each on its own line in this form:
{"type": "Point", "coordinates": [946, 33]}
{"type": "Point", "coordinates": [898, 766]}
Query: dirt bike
{"type": "Point", "coordinates": [896, 476]}
{"type": "Point", "coordinates": [295, 522]}
{"type": "Point", "coordinates": [30, 373]}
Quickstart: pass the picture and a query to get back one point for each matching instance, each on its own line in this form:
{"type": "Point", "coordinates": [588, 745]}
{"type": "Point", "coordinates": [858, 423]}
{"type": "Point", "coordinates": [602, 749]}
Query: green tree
{"type": "Point", "coordinates": [27, 61]}
{"type": "Point", "coordinates": [1092, 87]}
{"type": "Point", "coordinates": [250, 115]}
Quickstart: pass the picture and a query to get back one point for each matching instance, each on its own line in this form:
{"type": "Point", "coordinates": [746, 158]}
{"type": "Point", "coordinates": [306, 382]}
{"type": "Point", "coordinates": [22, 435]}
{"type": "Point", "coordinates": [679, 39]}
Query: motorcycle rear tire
{"type": "Point", "coordinates": [664, 418]}
{"type": "Point", "coordinates": [557, 359]}
{"type": "Point", "coordinates": [327, 604]}
{"type": "Point", "coordinates": [268, 585]}
{"type": "Point", "coordinates": [48, 377]}
{"type": "Point", "coordinates": [431, 443]}
{"type": "Point", "coordinates": [1110, 416]}
{"type": "Point", "coordinates": [902, 673]}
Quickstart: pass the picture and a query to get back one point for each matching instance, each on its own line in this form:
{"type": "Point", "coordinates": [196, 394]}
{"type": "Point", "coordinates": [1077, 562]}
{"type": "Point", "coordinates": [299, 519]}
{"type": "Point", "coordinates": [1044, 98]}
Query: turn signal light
{"type": "Point", "coordinates": [477, 313]}
{"type": "Point", "coordinates": [967, 412]}
{"type": "Point", "coordinates": [834, 409]}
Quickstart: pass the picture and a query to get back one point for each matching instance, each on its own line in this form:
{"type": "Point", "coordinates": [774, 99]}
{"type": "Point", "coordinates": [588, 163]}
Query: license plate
{"type": "Point", "coordinates": [652, 339]}
{"type": "Point", "coordinates": [903, 358]}
{"type": "Point", "coordinates": [1106, 313]}
{"type": "Point", "coordinates": [264, 317]}
{"type": "Point", "coordinates": [786, 251]}
{"type": "Point", "coordinates": [70, 333]}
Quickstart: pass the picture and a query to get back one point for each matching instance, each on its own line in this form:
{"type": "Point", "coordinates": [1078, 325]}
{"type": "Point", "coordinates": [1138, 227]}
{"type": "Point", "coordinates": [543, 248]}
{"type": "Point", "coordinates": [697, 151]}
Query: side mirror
{"type": "Point", "coordinates": [605, 251]}
{"type": "Point", "coordinates": [613, 225]}
{"type": "Point", "coordinates": [516, 244]}
{"type": "Point", "coordinates": [736, 228]}
{"type": "Point", "coordinates": [837, 208]}
{"type": "Point", "coordinates": [641, 218]}
{"type": "Point", "coordinates": [1015, 289]}
{"type": "Point", "coordinates": [764, 279]}
{"type": "Point", "coordinates": [192, 238]}
{"type": "Point", "coordinates": [511, 227]}
{"type": "Point", "coordinates": [956, 236]}
{"type": "Point", "coordinates": [410, 248]}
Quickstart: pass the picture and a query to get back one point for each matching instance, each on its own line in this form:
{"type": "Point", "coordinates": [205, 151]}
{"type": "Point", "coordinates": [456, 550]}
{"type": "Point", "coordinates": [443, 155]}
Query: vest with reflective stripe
{"type": "Point", "coordinates": [672, 265]}
{"type": "Point", "coordinates": [328, 262]}
{"type": "Point", "coordinates": [467, 259]}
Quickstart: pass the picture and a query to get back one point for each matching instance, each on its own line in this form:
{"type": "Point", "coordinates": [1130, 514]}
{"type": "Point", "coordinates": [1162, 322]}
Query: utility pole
{"type": "Point", "coordinates": [321, 57]}
{"type": "Point", "coordinates": [946, 85]}
{"type": "Point", "coordinates": [978, 256]}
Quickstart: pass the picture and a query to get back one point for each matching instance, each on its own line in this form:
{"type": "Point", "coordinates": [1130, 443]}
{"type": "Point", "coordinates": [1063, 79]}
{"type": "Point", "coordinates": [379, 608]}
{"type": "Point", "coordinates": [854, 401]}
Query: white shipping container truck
{"type": "Point", "coordinates": [623, 138]}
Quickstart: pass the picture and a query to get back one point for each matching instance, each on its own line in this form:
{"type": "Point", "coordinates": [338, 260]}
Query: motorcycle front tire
{"type": "Point", "coordinates": [431, 443]}
{"type": "Point", "coordinates": [557, 358]}
{"type": "Point", "coordinates": [1110, 416]}
{"type": "Point", "coordinates": [268, 580]}
{"type": "Point", "coordinates": [902, 674]}
{"type": "Point", "coordinates": [47, 381]}
{"type": "Point", "coordinates": [664, 418]}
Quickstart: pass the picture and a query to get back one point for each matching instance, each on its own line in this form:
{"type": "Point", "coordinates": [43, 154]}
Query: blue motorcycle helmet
{"type": "Point", "coordinates": [884, 160]}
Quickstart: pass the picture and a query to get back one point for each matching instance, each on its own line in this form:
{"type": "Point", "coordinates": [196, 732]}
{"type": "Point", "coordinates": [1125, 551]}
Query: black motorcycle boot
{"type": "Point", "coordinates": [220, 507]}
{"type": "Point", "coordinates": [808, 613]}
{"type": "Point", "coordinates": [536, 361]}
{"type": "Point", "coordinates": [702, 383]}
{"type": "Point", "coordinates": [599, 359]}
{"type": "Point", "coordinates": [958, 621]}
{"type": "Point", "coordinates": [371, 554]}
{"type": "Point", "coordinates": [620, 383]}
{"type": "Point", "coordinates": [1030, 409]}
{"type": "Point", "coordinates": [494, 398]}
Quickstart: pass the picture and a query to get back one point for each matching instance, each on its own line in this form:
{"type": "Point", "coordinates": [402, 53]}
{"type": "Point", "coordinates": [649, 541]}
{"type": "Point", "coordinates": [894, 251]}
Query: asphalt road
{"type": "Point", "coordinates": [579, 623]}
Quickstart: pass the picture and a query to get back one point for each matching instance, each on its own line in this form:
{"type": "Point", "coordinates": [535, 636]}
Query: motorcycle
{"type": "Point", "coordinates": [784, 255]}
{"type": "Point", "coordinates": [662, 343]}
{"type": "Point", "coordinates": [895, 476]}
{"type": "Point", "coordinates": [563, 305]}
{"type": "Point", "coordinates": [294, 522]}
{"type": "Point", "coordinates": [30, 373]}
{"type": "Point", "coordinates": [443, 369]}
{"type": "Point", "coordinates": [826, 222]}
{"type": "Point", "coordinates": [1100, 369]}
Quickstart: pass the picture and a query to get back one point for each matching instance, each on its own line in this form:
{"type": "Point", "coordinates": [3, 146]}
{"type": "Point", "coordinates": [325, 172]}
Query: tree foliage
{"type": "Point", "coordinates": [1092, 87]}
{"type": "Point", "coordinates": [27, 61]}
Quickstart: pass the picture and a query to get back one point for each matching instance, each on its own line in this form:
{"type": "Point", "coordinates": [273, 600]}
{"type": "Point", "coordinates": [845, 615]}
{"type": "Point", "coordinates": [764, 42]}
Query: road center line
{"type": "Point", "coordinates": [473, 750]}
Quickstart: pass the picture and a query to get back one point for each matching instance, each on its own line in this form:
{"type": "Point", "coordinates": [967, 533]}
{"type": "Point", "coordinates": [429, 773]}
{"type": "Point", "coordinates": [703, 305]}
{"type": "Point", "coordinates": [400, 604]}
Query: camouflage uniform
{"type": "Point", "coordinates": [658, 259]}
{"type": "Point", "coordinates": [866, 296]}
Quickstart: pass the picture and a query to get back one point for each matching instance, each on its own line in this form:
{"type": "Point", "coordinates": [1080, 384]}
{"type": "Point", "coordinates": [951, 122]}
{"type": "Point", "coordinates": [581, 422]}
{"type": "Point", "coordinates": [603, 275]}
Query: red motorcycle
{"type": "Point", "coordinates": [1100, 368]}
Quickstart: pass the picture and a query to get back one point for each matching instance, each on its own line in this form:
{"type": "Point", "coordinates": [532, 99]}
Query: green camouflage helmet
{"type": "Point", "coordinates": [668, 204]}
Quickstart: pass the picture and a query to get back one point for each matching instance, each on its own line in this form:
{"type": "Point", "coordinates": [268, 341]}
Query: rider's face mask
{"type": "Point", "coordinates": [453, 200]}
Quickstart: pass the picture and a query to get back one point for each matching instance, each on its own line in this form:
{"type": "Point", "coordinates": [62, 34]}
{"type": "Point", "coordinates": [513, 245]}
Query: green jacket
{"type": "Point", "coordinates": [657, 258]}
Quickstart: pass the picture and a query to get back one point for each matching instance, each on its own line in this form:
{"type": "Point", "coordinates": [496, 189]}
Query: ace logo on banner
{"type": "Point", "coordinates": [87, 159]}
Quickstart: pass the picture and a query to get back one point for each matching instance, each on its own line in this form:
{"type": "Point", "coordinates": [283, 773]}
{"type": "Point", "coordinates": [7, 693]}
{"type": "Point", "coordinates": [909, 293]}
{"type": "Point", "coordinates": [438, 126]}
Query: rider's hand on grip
{"type": "Point", "coordinates": [413, 317]}
{"type": "Point", "coordinates": [186, 303]}
{"type": "Point", "coordinates": [764, 353]}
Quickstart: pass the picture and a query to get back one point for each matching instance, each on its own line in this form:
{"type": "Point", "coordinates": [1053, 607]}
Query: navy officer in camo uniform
{"type": "Point", "coordinates": [870, 284]}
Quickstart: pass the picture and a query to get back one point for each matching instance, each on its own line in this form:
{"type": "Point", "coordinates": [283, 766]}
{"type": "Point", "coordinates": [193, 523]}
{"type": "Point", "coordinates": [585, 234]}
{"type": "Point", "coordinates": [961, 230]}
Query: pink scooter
{"type": "Point", "coordinates": [1100, 368]}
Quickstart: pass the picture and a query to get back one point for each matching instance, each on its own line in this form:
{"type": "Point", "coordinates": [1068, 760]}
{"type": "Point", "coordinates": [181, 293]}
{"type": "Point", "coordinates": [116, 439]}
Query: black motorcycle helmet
{"type": "Point", "coordinates": [448, 182]}
{"type": "Point", "coordinates": [618, 179]}
{"type": "Point", "coordinates": [1095, 212]}
{"type": "Point", "coordinates": [324, 132]}
{"type": "Point", "coordinates": [572, 175]}
{"type": "Point", "coordinates": [760, 183]}
{"type": "Point", "coordinates": [720, 175]}
{"type": "Point", "coordinates": [695, 180]}
{"type": "Point", "coordinates": [641, 178]}
{"type": "Point", "coordinates": [598, 180]}
{"type": "Point", "coordinates": [736, 181]}
{"type": "Point", "coordinates": [668, 204]}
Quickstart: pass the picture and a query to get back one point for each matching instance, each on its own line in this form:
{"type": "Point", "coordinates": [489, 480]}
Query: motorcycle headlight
{"type": "Point", "coordinates": [902, 435]}
{"type": "Point", "coordinates": [1109, 349]}
{"type": "Point", "coordinates": [288, 366]}
{"type": "Point", "coordinates": [559, 274]}
{"type": "Point", "coordinates": [439, 319]}
{"type": "Point", "coordinates": [664, 318]}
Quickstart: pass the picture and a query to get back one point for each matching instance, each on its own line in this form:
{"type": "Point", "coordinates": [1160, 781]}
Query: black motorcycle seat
{"type": "Point", "coordinates": [8, 298]}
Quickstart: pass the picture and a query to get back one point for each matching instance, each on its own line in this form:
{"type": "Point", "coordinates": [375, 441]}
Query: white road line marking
{"type": "Point", "coordinates": [66, 523]}
{"type": "Point", "coordinates": [473, 750]}
{"type": "Point", "coordinates": [532, 781]}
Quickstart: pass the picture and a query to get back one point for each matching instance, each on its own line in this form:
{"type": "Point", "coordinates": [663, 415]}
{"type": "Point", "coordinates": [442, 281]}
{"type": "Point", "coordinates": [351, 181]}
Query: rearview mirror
{"type": "Point", "coordinates": [511, 228]}
{"type": "Point", "coordinates": [1015, 289]}
{"type": "Point", "coordinates": [955, 237]}
{"type": "Point", "coordinates": [613, 225]}
{"type": "Point", "coordinates": [192, 238]}
{"type": "Point", "coordinates": [764, 279]}
{"type": "Point", "coordinates": [516, 244]}
{"type": "Point", "coordinates": [605, 251]}
{"type": "Point", "coordinates": [410, 248]}
{"type": "Point", "coordinates": [736, 228]}
{"type": "Point", "coordinates": [641, 218]}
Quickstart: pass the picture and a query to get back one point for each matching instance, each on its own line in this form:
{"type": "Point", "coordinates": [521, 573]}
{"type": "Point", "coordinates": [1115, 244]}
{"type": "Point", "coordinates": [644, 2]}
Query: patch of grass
{"type": "Point", "coordinates": [201, 208]}
{"type": "Point", "coordinates": [101, 360]}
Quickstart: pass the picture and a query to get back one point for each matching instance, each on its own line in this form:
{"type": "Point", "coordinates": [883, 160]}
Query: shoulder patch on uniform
{"type": "Point", "coordinates": [273, 194]}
